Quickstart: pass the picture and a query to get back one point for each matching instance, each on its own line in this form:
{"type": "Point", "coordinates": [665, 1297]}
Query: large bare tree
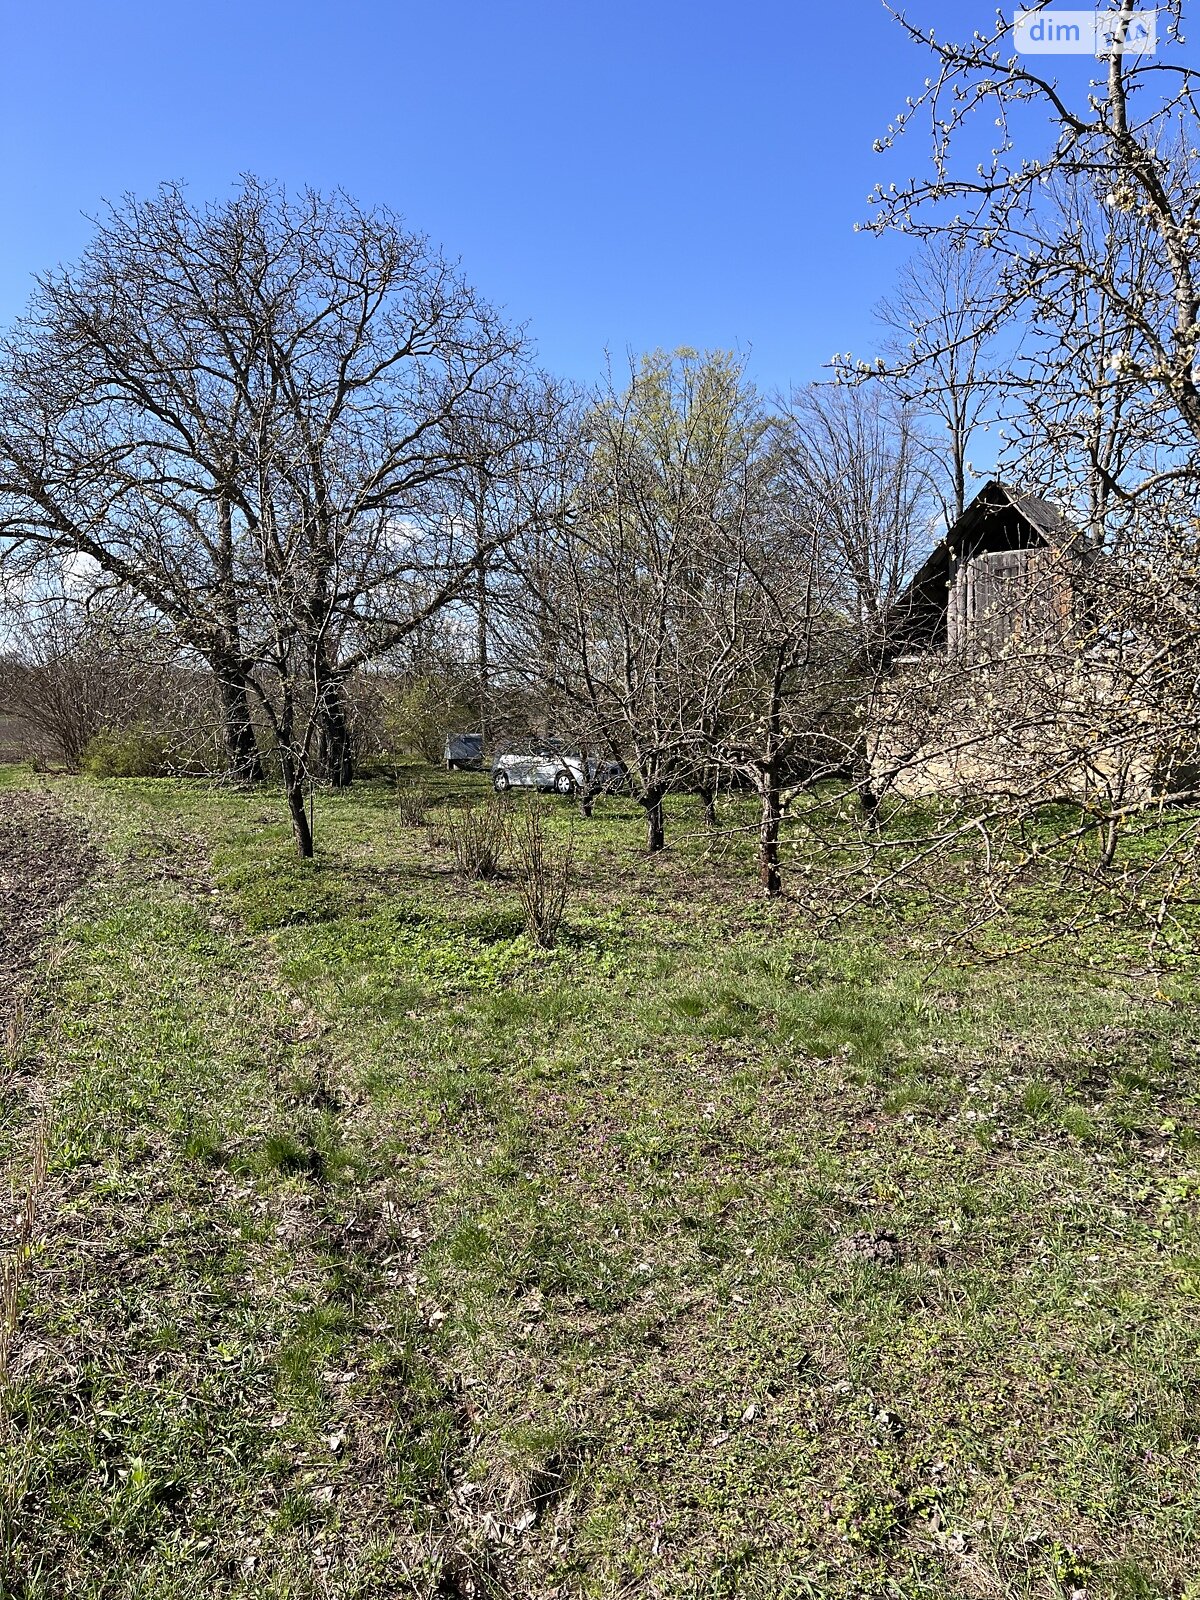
{"type": "Point", "coordinates": [248, 413]}
{"type": "Point", "coordinates": [942, 356]}
{"type": "Point", "coordinates": [857, 467]}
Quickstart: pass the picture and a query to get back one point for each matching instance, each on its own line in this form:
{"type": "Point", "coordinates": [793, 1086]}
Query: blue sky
{"type": "Point", "coordinates": [620, 174]}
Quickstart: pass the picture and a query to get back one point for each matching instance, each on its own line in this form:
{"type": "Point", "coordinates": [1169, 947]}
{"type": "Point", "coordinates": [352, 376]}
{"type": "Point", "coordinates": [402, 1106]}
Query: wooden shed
{"type": "Point", "coordinates": [1007, 570]}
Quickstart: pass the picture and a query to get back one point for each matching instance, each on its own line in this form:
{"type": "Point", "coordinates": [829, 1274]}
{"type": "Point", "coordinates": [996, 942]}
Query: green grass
{"type": "Point", "coordinates": [386, 1254]}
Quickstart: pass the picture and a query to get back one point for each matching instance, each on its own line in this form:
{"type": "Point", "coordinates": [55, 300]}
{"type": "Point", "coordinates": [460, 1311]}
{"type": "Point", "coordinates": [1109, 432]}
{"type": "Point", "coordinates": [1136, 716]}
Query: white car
{"type": "Point", "coordinates": [538, 764]}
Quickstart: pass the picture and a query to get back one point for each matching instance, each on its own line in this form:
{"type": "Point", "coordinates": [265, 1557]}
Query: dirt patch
{"type": "Point", "coordinates": [43, 859]}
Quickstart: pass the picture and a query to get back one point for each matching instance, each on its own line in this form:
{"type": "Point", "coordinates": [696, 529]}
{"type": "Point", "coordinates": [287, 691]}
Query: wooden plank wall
{"type": "Point", "coordinates": [1000, 596]}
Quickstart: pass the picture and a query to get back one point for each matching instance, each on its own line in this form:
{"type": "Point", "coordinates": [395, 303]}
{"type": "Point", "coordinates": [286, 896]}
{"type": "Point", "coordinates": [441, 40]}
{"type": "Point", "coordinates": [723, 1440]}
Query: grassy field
{"type": "Point", "coordinates": [381, 1253]}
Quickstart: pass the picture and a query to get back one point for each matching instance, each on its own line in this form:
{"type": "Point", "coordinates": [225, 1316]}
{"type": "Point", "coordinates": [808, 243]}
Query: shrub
{"type": "Point", "coordinates": [545, 875]}
{"type": "Point", "coordinates": [425, 711]}
{"type": "Point", "coordinates": [478, 836]}
{"type": "Point", "coordinates": [413, 801]}
{"type": "Point", "coordinates": [127, 753]}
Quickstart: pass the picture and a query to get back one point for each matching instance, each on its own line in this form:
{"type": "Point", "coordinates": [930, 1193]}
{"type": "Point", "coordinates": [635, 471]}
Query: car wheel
{"type": "Point", "coordinates": [500, 782]}
{"type": "Point", "coordinates": [564, 784]}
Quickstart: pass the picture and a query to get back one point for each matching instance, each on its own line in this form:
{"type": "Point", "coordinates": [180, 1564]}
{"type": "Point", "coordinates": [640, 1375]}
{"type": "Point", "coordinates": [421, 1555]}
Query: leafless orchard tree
{"type": "Point", "coordinates": [248, 414]}
{"type": "Point", "coordinates": [1079, 685]}
{"type": "Point", "coordinates": [843, 502]}
{"type": "Point", "coordinates": [942, 358]}
{"type": "Point", "coordinates": [1086, 429]}
{"type": "Point", "coordinates": [1130, 133]}
{"type": "Point", "coordinates": [787, 660]}
{"type": "Point", "coordinates": [620, 599]}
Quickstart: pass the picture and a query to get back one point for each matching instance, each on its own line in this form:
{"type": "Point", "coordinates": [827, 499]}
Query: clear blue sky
{"type": "Point", "coordinates": [621, 174]}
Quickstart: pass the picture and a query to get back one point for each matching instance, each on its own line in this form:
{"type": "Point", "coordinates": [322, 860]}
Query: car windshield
{"type": "Point", "coordinates": [543, 749]}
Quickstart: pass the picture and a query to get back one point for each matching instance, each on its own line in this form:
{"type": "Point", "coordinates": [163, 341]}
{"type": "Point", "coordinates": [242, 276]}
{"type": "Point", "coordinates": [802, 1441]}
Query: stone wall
{"type": "Point", "coordinates": [1040, 729]}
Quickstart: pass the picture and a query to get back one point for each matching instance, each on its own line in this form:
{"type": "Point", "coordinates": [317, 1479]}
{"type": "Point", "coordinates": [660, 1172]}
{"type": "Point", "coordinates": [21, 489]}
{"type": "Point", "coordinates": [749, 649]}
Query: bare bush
{"type": "Point", "coordinates": [78, 667]}
{"type": "Point", "coordinates": [413, 801]}
{"type": "Point", "coordinates": [478, 836]}
{"type": "Point", "coordinates": [545, 875]}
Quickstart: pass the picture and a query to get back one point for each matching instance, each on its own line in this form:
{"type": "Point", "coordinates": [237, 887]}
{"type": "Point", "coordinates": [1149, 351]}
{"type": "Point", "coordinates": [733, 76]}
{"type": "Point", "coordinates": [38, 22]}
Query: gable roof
{"type": "Point", "coordinates": [1046, 520]}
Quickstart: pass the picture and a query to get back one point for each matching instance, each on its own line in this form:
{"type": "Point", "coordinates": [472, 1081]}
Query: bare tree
{"type": "Point", "coordinates": [840, 501]}
{"type": "Point", "coordinates": [1081, 680]}
{"type": "Point", "coordinates": [623, 624]}
{"type": "Point", "coordinates": [789, 660]}
{"type": "Point", "coordinates": [1133, 132]}
{"type": "Point", "coordinates": [508, 492]}
{"type": "Point", "coordinates": [1085, 428]}
{"type": "Point", "coordinates": [942, 353]}
{"type": "Point", "coordinates": [247, 413]}
{"type": "Point", "coordinates": [856, 467]}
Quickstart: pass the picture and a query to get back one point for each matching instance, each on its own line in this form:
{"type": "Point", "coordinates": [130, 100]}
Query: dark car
{"type": "Point", "coordinates": [607, 777]}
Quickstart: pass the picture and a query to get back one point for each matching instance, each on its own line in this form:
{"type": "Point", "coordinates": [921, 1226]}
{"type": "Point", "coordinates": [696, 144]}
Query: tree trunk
{"type": "Point", "coordinates": [1110, 836]}
{"type": "Point", "coordinates": [655, 822]}
{"type": "Point", "coordinates": [481, 635]}
{"type": "Point", "coordinates": [708, 800]}
{"type": "Point", "coordinates": [768, 836]}
{"type": "Point", "coordinates": [237, 727]}
{"type": "Point", "coordinates": [868, 799]}
{"type": "Point", "coordinates": [293, 782]}
{"type": "Point", "coordinates": [586, 801]}
{"type": "Point", "coordinates": [335, 742]}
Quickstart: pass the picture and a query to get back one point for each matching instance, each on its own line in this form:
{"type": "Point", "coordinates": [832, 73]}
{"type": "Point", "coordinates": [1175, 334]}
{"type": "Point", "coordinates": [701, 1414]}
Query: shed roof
{"type": "Point", "coordinates": [1044, 518]}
